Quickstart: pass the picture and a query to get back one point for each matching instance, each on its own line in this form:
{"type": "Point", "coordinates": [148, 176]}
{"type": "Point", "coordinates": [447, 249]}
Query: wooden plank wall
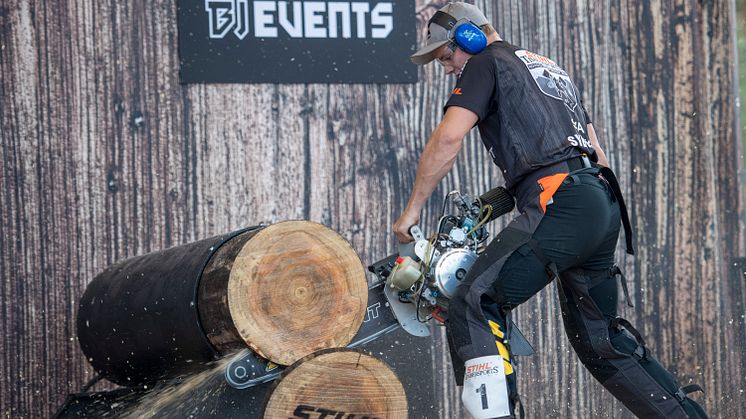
{"type": "Point", "coordinates": [105, 156]}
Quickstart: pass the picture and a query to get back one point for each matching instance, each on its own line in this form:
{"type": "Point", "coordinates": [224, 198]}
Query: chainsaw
{"type": "Point", "coordinates": [411, 289]}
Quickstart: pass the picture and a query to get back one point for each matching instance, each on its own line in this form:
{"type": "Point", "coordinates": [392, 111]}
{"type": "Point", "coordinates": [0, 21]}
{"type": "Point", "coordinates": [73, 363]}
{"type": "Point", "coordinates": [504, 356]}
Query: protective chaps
{"type": "Point", "coordinates": [615, 353]}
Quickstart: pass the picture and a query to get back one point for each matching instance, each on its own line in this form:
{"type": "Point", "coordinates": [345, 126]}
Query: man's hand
{"type": "Point", "coordinates": [402, 225]}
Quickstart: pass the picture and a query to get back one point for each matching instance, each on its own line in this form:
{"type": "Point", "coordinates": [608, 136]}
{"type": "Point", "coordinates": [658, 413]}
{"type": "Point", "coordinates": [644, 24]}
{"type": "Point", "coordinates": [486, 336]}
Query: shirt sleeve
{"type": "Point", "coordinates": [476, 87]}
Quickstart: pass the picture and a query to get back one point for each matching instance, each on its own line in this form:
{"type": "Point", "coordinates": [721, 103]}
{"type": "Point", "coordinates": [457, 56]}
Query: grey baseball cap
{"type": "Point", "coordinates": [441, 25]}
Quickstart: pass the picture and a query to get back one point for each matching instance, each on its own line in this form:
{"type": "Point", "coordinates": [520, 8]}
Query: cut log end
{"type": "Point", "coordinates": [338, 383]}
{"type": "Point", "coordinates": [297, 287]}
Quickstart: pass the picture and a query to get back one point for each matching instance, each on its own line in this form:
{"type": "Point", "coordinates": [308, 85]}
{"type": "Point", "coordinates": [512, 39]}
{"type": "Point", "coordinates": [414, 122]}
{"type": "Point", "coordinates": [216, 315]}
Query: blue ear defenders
{"type": "Point", "coordinates": [470, 38]}
{"type": "Point", "coordinates": [466, 34]}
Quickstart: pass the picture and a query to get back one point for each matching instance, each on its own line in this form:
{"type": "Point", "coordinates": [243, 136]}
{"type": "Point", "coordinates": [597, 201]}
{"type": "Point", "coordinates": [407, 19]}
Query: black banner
{"type": "Point", "coordinates": [237, 41]}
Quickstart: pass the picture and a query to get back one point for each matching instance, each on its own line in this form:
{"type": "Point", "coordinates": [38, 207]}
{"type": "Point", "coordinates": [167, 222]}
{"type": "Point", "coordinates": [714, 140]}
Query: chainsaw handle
{"type": "Point", "coordinates": [416, 233]}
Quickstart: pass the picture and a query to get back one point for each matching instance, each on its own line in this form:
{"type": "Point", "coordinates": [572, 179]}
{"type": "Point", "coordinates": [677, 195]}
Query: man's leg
{"type": "Point", "coordinates": [614, 352]}
{"type": "Point", "coordinates": [523, 276]}
{"type": "Point", "coordinates": [478, 331]}
{"type": "Point", "coordinates": [506, 276]}
{"type": "Point", "coordinates": [609, 347]}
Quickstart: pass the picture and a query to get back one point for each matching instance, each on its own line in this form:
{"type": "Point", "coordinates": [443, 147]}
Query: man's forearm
{"type": "Point", "coordinates": [602, 160]}
{"type": "Point", "coordinates": [436, 161]}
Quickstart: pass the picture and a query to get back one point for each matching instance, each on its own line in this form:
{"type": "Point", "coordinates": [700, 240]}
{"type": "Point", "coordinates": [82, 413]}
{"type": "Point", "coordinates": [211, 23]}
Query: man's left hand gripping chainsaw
{"type": "Point", "coordinates": [412, 288]}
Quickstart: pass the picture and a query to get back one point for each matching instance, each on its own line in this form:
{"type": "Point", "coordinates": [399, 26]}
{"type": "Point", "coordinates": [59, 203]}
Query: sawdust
{"type": "Point", "coordinates": [191, 395]}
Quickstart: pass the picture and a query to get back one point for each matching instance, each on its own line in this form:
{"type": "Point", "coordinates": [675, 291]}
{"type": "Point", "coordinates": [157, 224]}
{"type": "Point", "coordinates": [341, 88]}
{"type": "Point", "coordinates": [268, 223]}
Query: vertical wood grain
{"type": "Point", "coordinates": [104, 156]}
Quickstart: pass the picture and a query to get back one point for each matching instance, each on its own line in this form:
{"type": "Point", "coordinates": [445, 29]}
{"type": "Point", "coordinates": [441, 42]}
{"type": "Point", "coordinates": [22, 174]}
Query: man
{"type": "Point", "coordinates": [537, 131]}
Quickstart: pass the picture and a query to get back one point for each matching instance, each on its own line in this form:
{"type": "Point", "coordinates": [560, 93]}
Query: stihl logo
{"type": "Point", "coordinates": [300, 19]}
{"type": "Point", "coordinates": [311, 412]}
{"type": "Point", "coordinates": [476, 368]}
{"type": "Point", "coordinates": [457, 91]}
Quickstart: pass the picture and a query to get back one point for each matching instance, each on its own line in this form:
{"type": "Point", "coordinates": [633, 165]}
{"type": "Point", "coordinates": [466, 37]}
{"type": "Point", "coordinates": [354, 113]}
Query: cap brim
{"type": "Point", "coordinates": [427, 54]}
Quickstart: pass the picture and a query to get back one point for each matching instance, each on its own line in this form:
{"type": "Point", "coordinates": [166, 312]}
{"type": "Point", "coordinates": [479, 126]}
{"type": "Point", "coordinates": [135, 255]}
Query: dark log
{"type": "Point", "coordinates": [169, 313]}
{"type": "Point", "coordinates": [138, 321]}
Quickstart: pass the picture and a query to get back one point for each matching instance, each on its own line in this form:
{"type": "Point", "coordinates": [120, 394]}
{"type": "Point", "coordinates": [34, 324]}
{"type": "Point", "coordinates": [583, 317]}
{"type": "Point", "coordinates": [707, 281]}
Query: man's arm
{"type": "Point", "coordinates": [602, 160]}
{"type": "Point", "coordinates": [436, 161]}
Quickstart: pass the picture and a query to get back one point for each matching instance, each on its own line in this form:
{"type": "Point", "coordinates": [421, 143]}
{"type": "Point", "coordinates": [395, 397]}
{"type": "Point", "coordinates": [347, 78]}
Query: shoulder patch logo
{"type": "Point", "coordinates": [552, 80]}
{"type": "Point", "coordinates": [457, 91]}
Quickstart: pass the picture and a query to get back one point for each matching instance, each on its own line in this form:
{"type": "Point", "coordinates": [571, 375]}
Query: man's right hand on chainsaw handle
{"type": "Point", "coordinates": [402, 226]}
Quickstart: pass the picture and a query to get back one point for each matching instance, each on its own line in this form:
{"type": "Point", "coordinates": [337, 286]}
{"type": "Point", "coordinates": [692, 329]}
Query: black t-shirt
{"type": "Point", "coordinates": [530, 112]}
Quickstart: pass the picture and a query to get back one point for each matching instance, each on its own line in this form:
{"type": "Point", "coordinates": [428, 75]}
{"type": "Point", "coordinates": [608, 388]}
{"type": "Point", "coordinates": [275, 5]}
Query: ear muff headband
{"type": "Point", "coordinates": [466, 35]}
{"type": "Point", "coordinates": [444, 20]}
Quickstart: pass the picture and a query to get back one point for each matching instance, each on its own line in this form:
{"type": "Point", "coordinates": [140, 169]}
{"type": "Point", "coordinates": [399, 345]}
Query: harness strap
{"type": "Point", "coordinates": [612, 272]}
{"type": "Point", "coordinates": [683, 391]}
{"type": "Point", "coordinates": [613, 182]}
{"type": "Point", "coordinates": [508, 329]}
{"type": "Point", "coordinates": [623, 279]}
{"type": "Point", "coordinates": [619, 323]}
{"type": "Point", "coordinates": [517, 401]}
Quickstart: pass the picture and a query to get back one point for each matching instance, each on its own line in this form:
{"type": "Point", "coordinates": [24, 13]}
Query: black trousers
{"type": "Point", "coordinates": [579, 230]}
{"type": "Point", "coordinates": [578, 235]}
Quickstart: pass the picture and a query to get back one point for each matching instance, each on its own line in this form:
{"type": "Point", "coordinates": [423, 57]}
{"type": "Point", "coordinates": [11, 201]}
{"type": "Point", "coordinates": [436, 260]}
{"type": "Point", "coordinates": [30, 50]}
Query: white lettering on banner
{"type": "Point", "coordinates": [227, 15]}
{"type": "Point", "coordinates": [379, 19]}
{"type": "Point", "coordinates": [360, 9]}
{"type": "Point", "coordinates": [342, 9]}
{"type": "Point", "coordinates": [312, 19]}
{"type": "Point", "coordinates": [263, 20]}
{"type": "Point", "coordinates": [300, 19]}
{"type": "Point", "coordinates": [242, 24]}
{"type": "Point", "coordinates": [295, 30]}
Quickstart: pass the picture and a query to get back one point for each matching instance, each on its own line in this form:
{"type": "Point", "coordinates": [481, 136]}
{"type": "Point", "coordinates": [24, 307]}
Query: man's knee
{"type": "Point", "coordinates": [595, 357]}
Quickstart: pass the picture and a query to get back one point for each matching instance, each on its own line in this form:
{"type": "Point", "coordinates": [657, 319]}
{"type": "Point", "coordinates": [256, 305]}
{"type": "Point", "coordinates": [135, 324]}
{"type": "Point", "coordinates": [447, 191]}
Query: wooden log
{"type": "Point", "coordinates": [312, 288]}
{"type": "Point", "coordinates": [294, 288]}
{"type": "Point", "coordinates": [338, 383]}
{"type": "Point", "coordinates": [138, 320]}
{"type": "Point", "coordinates": [285, 290]}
